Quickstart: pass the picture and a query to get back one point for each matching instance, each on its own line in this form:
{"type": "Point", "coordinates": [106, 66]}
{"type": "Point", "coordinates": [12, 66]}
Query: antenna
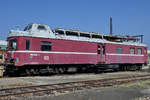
{"type": "Point", "coordinates": [110, 25]}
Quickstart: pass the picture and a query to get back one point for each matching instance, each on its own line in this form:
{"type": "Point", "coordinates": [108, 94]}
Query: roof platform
{"type": "Point", "coordinates": [113, 38]}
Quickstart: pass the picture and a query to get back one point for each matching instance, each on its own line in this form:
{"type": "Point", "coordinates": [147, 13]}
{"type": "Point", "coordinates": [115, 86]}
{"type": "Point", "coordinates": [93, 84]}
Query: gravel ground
{"type": "Point", "coordinates": [135, 91]}
{"type": "Point", "coordinates": [98, 94]}
{"type": "Point", "coordinates": [130, 92]}
{"type": "Point", "coordinates": [40, 80]}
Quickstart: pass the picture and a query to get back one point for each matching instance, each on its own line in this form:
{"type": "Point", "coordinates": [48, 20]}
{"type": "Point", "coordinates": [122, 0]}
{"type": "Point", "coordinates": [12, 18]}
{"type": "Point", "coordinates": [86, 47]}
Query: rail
{"type": "Point", "coordinates": [68, 86]}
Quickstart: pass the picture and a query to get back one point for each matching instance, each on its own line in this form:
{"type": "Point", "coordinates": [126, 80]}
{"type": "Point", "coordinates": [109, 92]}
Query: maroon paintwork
{"type": "Point", "coordinates": [72, 52]}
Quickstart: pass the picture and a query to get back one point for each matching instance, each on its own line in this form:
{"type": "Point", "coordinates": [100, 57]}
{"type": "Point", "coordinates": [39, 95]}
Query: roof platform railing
{"type": "Point", "coordinates": [113, 38]}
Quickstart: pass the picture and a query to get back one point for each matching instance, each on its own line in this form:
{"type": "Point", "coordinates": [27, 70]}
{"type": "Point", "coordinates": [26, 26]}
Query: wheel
{"type": "Point", "coordinates": [28, 72]}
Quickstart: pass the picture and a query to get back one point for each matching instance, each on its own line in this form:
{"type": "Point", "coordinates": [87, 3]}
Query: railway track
{"type": "Point", "coordinates": [52, 89]}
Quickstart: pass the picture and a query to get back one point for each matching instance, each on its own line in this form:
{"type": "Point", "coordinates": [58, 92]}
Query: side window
{"type": "Point", "coordinates": [1, 56]}
{"type": "Point", "coordinates": [118, 50]}
{"type": "Point", "coordinates": [103, 49]}
{"type": "Point", "coordinates": [98, 49]}
{"type": "Point", "coordinates": [132, 50]}
{"type": "Point", "coordinates": [13, 45]}
{"type": "Point", "coordinates": [40, 27]}
{"type": "Point", "coordinates": [145, 51]}
{"type": "Point", "coordinates": [46, 46]}
{"type": "Point", "coordinates": [139, 51]}
{"type": "Point", "coordinates": [27, 44]}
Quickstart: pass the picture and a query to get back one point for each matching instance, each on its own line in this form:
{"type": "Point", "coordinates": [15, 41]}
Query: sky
{"type": "Point", "coordinates": [130, 17]}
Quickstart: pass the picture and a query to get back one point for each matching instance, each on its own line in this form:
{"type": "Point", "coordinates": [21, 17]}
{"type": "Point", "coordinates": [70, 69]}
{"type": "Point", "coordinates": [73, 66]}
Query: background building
{"type": "Point", "coordinates": [3, 46]}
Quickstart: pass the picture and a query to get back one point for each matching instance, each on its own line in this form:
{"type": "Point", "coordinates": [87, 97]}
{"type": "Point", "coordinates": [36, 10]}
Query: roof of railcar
{"type": "Point", "coordinates": [80, 36]}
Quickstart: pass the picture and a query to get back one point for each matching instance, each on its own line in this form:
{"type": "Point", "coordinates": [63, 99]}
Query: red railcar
{"type": "Point", "coordinates": [39, 48]}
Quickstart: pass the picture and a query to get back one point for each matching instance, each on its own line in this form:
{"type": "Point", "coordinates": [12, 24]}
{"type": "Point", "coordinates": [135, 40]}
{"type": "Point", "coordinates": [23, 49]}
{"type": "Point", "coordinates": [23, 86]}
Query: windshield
{"type": "Point", "coordinates": [28, 27]}
{"type": "Point", "coordinates": [13, 45]}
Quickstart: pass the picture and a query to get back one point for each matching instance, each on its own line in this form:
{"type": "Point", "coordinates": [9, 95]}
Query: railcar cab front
{"type": "Point", "coordinates": [20, 41]}
{"type": "Point", "coordinates": [12, 47]}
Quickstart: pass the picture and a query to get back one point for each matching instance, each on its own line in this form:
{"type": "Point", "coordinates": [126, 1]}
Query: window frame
{"type": "Point", "coordinates": [46, 44]}
{"type": "Point", "coordinates": [104, 49]}
{"type": "Point", "coordinates": [44, 28]}
{"type": "Point", "coordinates": [138, 51]}
{"type": "Point", "coordinates": [11, 43]}
{"type": "Point", "coordinates": [132, 49]}
{"type": "Point", "coordinates": [120, 50]}
{"type": "Point", "coordinates": [145, 51]}
{"type": "Point", "coordinates": [98, 49]}
{"type": "Point", "coordinates": [29, 27]}
{"type": "Point", "coordinates": [28, 41]}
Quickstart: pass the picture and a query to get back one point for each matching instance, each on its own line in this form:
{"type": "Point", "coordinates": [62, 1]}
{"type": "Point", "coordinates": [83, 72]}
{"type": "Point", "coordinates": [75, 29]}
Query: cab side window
{"type": "Point", "coordinates": [27, 44]}
{"type": "Point", "coordinates": [118, 50]}
{"type": "Point", "coordinates": [103, 49]}
{"type": "Point", "coordinates": [145, 51]}
{"type": "Point", "coordinates": [13, 45]}
{"type": "Point", "coordinates": [98, 49]}
{"type": "Point", "coordinates": [46, 46]}
{"type": "Point", "coordinates": [139, 51]}
{"type": "Point", "coordinates": [132, 50]}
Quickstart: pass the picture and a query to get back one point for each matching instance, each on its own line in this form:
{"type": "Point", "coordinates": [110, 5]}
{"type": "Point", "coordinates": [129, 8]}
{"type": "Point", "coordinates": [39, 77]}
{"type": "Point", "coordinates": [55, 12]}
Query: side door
{"type": "Point", "coordinates": [101, 53]}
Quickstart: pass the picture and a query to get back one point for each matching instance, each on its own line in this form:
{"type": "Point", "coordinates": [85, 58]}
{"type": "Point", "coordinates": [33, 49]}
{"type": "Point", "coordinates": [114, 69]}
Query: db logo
{"type": "Point", "coordinates": [46, 57]}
